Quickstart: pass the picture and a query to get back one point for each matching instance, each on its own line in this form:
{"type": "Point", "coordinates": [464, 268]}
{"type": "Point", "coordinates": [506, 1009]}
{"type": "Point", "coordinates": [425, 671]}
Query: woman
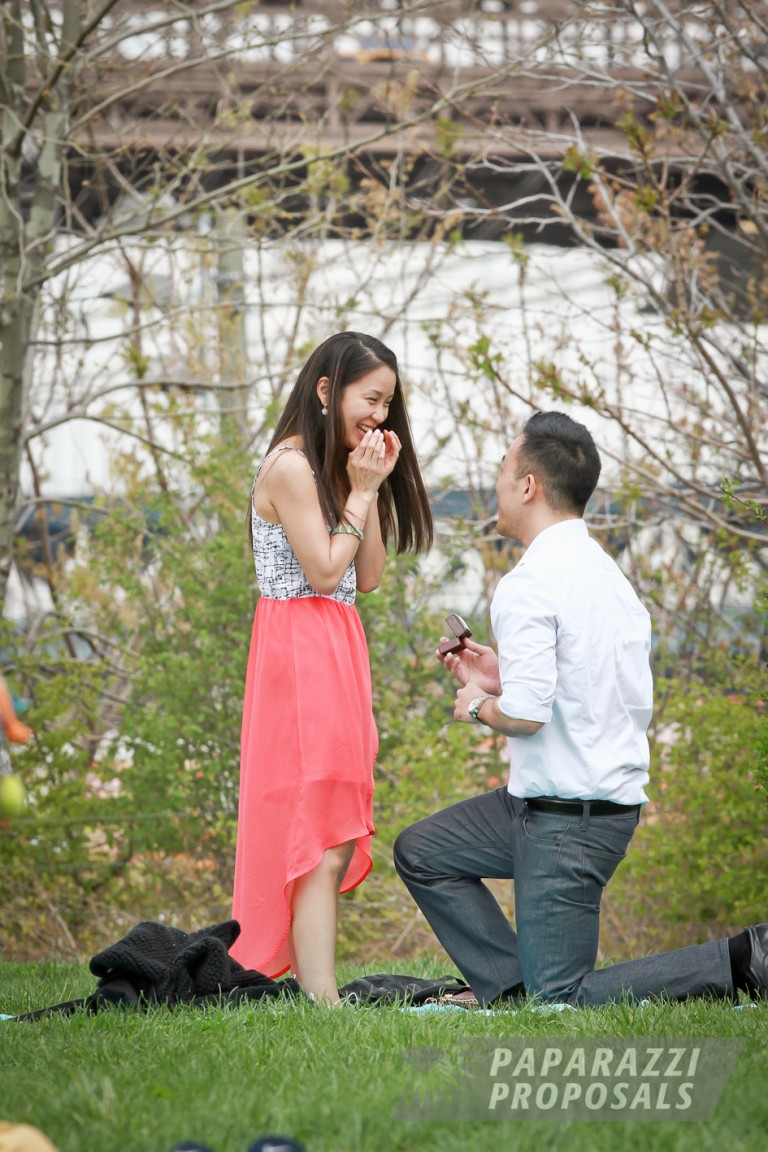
{"type": "Point", "coordinates": [339, 479]}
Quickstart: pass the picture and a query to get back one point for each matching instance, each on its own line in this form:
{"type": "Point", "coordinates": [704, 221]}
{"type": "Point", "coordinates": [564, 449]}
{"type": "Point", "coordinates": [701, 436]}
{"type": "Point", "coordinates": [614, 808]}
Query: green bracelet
{"type": "Point", "coordinates": [348, 530]}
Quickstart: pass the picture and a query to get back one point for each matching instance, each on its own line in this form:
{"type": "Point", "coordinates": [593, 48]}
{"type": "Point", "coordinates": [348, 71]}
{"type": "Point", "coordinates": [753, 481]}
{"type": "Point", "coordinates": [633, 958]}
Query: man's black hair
{"type": "Point", "coordinates": [562, 455]}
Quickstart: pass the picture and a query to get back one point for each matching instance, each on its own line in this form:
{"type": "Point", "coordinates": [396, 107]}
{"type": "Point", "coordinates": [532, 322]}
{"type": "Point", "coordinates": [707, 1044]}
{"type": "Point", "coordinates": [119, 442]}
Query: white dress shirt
{"type": "Point", "coordinates": [574, 644]}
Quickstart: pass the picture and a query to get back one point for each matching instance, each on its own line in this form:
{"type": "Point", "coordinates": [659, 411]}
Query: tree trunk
{"type": "Point", "coordinates": [233, 355]}
{"type": "Point", "coordinates": [27, 226]}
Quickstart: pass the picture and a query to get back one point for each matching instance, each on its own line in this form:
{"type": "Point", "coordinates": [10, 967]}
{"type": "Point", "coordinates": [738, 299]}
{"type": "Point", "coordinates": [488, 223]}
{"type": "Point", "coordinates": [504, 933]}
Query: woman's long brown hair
{"type": "Point", "coordinates": [404, 508]}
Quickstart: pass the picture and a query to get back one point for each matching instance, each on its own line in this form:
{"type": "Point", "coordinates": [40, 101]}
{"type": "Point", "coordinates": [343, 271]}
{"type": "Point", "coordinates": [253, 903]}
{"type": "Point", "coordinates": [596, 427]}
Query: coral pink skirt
{"type": "Point", "coordinates": [308, 746]}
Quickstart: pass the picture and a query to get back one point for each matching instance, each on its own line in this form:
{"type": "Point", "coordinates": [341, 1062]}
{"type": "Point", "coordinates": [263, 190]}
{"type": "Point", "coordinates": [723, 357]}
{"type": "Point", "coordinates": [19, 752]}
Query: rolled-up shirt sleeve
{"type": "Point", "coordinates": [525, 629]}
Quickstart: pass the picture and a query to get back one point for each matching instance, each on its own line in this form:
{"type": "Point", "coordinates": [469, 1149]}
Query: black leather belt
{"type": "Point", "coordinates": [578, 807]}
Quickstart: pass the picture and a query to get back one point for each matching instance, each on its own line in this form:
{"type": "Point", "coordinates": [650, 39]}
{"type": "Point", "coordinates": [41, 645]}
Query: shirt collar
{"type": "Point", "coordinates": [564, 530]}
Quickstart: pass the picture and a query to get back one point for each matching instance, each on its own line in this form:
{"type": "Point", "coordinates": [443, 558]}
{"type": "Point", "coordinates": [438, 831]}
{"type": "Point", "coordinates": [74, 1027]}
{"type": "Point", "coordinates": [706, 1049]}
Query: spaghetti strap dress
{"type": "Point", "coordinates": [308, 745]}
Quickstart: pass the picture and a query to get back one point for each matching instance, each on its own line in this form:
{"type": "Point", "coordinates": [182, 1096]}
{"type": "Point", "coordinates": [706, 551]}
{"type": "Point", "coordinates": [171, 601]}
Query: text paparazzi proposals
{"type": "Point", "coordinates": [552, 1079]}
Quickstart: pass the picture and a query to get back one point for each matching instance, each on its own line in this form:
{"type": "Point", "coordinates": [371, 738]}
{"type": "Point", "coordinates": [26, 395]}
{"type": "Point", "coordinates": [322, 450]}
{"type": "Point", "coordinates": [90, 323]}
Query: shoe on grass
{"type": "Point", "coordinates": [464, 999]}
{"type": "Point", "coordinates": [275, 1144]}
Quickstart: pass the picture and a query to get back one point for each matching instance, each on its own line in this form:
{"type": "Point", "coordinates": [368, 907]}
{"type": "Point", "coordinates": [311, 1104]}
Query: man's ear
{"type": "Point", "coordinates": [530, 486]}
{"type": "Point", "coordinates": [322, 390]}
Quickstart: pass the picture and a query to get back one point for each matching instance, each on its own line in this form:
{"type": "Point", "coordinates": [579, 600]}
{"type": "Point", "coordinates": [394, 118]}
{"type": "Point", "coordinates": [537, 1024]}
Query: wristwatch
{"type": "Point", "coordinates": [475, 705]}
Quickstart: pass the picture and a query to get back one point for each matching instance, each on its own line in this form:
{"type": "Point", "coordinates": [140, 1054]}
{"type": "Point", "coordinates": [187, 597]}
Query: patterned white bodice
{"type": "Point", "coordinates": [278, 572]}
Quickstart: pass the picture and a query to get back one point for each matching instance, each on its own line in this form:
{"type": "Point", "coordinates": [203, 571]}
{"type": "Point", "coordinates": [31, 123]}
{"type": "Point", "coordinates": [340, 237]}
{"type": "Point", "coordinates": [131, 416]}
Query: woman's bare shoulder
{"type": "Point", "coordinates": [285, 471]}
{"type": "Point", "coordinates": [287, 461]}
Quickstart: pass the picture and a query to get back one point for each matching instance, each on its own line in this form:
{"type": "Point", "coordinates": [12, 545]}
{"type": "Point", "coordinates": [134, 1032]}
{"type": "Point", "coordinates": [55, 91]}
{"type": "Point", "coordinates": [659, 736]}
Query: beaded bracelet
{"type": "Point", "coordinates": [348, 530]}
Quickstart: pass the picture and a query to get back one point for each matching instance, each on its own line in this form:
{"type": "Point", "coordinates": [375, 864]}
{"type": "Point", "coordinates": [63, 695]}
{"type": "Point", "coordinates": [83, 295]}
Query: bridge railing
{"type": "Point", "coordinates": [488, 33]}
{"type": "Point", "coordinates": [254, 77]}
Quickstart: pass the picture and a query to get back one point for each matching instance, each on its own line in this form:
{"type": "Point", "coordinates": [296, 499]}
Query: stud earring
{"type": "Point", "coordinates": [324, 410]}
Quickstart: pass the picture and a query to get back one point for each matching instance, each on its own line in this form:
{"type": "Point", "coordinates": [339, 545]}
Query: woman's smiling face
{"type": "Point", "coordinates": [365, 403]}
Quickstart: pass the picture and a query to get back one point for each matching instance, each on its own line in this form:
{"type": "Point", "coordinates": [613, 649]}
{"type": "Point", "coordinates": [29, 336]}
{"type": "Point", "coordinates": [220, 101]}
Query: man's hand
{"type": "Point", "coordinates": [476, 664]}
{"type": "Point", "coordinates": [490, 716]}
{"type": "Point", "coordinates": [464, 698]}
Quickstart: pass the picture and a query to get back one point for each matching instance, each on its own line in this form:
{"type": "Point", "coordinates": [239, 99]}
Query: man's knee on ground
{"type": "Point", "coordinates": [551, 988]}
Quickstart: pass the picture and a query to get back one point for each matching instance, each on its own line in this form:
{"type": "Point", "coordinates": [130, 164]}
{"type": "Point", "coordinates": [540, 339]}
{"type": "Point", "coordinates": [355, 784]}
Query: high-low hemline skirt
{"type": "Point", "coordinates": [308, 746]}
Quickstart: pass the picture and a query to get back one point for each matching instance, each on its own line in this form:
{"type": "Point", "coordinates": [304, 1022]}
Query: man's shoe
{"type": "Point", "coordinates": [757, 971]}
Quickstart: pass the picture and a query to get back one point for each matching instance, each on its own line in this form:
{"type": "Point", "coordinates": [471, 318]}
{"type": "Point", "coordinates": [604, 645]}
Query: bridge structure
{"type": "Point", "coordinates": [486, 83]}
{"type": "Point", "coordinates": [313, 71]}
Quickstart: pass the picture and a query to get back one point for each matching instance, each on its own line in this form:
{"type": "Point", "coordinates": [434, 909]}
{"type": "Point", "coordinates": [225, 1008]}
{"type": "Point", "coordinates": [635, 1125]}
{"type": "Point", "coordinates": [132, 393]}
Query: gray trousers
{"type": "Point", "coordinates": [560, 865]}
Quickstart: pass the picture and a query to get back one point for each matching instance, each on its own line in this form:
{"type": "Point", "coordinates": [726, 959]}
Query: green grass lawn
{"type": "Point", "coordinates": [332, 1079]}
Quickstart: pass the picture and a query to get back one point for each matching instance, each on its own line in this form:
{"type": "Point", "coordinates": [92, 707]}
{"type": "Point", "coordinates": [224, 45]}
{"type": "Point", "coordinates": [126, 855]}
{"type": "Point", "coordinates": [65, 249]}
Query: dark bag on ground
{"type": "Point", "coordinates": [390, 988]}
